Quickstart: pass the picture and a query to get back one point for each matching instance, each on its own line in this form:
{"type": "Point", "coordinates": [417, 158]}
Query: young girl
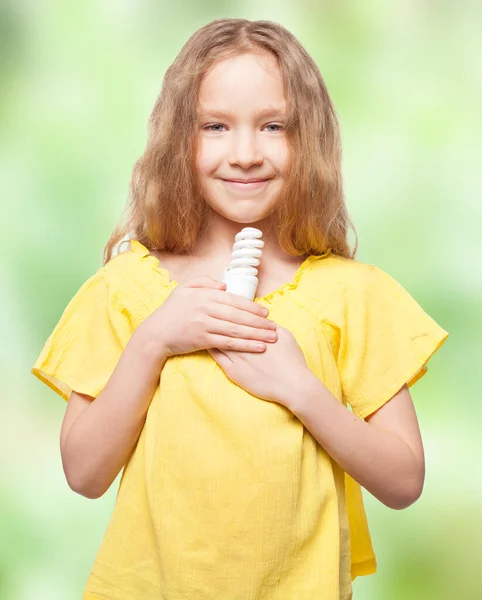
{"type": "Point", "coordinates": [242, 463]}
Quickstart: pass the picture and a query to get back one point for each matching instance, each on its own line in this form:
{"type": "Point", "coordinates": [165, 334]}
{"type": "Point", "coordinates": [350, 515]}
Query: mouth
{"type": "Point", "coordinates": [246, 185]}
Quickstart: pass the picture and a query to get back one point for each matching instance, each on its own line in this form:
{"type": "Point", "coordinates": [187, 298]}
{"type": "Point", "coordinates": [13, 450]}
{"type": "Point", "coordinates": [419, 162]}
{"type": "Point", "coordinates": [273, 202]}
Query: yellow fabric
{"type": "Point", "coordinates": [227, 495]}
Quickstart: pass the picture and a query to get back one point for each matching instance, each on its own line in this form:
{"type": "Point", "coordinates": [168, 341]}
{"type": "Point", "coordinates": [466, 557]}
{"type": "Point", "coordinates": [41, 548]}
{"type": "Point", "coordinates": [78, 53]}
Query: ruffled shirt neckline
{"type": "Point", "coordinates": [170, 283]}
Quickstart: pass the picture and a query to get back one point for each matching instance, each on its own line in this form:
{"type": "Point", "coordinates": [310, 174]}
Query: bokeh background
{"type": "Point", "coordinates": [78, 81]}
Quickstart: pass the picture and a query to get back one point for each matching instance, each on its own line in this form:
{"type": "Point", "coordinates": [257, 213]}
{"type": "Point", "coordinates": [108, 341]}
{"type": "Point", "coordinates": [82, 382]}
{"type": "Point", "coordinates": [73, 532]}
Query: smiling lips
{"type": "Point", "coordinates": [245, 184]}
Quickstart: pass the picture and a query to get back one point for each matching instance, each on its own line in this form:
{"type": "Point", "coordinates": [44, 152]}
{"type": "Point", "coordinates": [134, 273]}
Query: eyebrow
{"type": "Point", "coordinates": [262, 113]}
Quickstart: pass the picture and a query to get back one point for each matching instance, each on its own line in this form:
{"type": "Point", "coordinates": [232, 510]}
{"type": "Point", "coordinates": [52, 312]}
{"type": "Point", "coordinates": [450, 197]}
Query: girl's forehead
{"type": "Point", "coordinates": [253, 79]}
{"type": "Point", "coordinates": [255, 67]}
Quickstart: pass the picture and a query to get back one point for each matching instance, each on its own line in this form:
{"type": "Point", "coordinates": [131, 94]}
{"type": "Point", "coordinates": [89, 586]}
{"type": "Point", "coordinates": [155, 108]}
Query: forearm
{"type": "Point", "coordinates": [377, 459]}
{"type": "Point", "coordinates": [100, 441]}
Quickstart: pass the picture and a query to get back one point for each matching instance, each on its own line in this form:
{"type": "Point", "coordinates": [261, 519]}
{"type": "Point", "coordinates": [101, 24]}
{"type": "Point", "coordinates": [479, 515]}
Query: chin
{"type": "Point", "coordinates": [246, 216]}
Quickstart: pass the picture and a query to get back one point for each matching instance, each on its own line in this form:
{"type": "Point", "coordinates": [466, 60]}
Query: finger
{"type": "Point", "coordinates": [234, 344]}
{"type": "Point", "coordinates": [226, 312]}
{"type": "Point", "coordinates": [240, 303]}
{"type": "Point", "coordinates": [235, 330]}
{"type": "Point", "coordinates": [204, 281]}
{"type": "Point", "coordinates": [227, 353]}
{"type": "Point", "coordinates": [221, 358]}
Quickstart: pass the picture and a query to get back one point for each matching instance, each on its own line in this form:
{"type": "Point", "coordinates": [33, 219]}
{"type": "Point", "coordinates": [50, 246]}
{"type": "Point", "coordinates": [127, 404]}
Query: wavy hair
{"type": "Point", "coordinates": [165, 209]}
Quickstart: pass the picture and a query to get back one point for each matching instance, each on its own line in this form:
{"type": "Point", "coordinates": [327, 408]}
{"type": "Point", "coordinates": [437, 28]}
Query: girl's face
{"type": "Point", "coordinates": [241, 136]}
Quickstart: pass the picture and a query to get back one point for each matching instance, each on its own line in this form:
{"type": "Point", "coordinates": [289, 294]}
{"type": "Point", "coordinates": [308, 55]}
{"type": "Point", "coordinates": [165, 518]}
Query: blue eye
{"type": "Point", "coordinates": [211, 127]}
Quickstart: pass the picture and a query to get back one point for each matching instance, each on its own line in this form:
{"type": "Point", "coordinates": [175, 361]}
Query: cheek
{"type": "Point", "coordinates": [278, 154]}
{"type": "Point", "coordinates": [208, 158]}
{"type": "Point", "coordinates": [282, 158]}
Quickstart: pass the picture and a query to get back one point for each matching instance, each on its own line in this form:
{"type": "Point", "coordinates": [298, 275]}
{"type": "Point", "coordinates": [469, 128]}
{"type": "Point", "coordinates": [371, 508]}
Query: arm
{"type": "Point", "coordinates": [383, 453]}
{"type": "Point", "coordinates": [99, 435]}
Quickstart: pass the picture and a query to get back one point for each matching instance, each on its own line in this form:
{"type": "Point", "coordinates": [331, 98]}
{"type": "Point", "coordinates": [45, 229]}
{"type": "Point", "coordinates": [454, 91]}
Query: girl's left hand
{"type": "Point", "coordinates": [272, 375]}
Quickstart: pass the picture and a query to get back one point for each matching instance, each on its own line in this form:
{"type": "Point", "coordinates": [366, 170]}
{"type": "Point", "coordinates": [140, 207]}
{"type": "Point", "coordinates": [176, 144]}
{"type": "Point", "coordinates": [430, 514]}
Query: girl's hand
{"type": "Point", "coordinates": [273, 375]}
{"type": "Point", "coordinates": [199, 314]}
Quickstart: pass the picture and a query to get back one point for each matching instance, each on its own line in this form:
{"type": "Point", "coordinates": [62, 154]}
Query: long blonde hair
{"type": "Point", "coordinates": [165, 209]}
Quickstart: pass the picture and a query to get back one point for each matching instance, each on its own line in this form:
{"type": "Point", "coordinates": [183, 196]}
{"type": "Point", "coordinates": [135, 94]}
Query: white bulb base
{"type": "Point", "coordinates": [242, 285]}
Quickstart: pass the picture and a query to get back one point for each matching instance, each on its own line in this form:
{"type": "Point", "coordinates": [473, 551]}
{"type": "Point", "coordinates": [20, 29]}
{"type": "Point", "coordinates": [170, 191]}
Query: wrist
{"type": "Point", "coordinates": [300, 393]}
{"type": "Point", "coordinates": [148, 344]}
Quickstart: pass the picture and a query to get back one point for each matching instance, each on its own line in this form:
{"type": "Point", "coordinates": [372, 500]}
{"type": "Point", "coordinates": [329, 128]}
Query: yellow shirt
{"type": "Point", "coordinates": [228, 496]}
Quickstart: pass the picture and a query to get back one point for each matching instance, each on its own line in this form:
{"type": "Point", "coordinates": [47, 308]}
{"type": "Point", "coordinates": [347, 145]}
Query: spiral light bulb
{"type": "Point", "coordinates": [240, 275]}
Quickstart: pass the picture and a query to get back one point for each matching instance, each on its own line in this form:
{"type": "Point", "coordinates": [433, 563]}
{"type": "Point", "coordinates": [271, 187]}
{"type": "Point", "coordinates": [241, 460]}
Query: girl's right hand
{"type": "Point", "coordinates": [199, 314]}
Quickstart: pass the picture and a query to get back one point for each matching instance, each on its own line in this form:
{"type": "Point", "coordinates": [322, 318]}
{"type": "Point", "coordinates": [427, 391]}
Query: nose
{"type": "Point", "coordinates": [245, 150]}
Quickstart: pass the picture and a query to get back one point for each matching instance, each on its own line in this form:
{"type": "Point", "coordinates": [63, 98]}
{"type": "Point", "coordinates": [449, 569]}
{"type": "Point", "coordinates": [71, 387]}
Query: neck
{"type": "Point", "coordinates": [218, 239]}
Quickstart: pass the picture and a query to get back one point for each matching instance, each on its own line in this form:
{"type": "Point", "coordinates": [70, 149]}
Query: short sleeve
{"type": "Point", "coordinates": [87, 342]}
{"type": "Point", "coordinates": [386, 340]}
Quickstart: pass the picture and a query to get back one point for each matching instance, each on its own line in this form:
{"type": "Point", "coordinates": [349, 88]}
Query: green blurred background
{"type": "Point", "coordinates": [78, 81]}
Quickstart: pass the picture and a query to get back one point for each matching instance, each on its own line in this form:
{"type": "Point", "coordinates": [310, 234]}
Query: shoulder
{"type": "Point", "coordinates": [133, 275]}
{"type": "Point", "coordinates": [344, 275]}
{"type": "Point", "coordinates": [128, 258]}
{"type": "Point", "coordinates": [130, 266]}
{"type": "Point", "coordinates": [337, 286]}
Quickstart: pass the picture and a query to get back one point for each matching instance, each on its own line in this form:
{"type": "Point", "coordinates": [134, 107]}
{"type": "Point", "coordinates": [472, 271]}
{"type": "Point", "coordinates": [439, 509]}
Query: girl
{"type": "Point", "coordinates": [242, 463]}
